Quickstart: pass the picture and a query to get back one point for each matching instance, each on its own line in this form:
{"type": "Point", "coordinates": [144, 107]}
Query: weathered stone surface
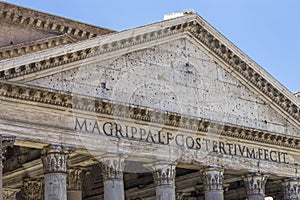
{"type": "Point", "coordinates": [176, 76]}
{"type": "Point", "coordinates": [55, 186]}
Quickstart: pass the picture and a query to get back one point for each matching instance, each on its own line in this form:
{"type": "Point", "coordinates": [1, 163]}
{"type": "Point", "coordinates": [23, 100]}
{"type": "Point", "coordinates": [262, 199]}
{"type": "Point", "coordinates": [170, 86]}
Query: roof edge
{"type": "Point", "coordinates": [51, 23]}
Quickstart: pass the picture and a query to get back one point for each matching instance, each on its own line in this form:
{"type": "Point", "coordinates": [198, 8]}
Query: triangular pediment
{"type": "Point", "coordinates": [177, 76]}
{"type": "Point", "coordinates": [181, 65]}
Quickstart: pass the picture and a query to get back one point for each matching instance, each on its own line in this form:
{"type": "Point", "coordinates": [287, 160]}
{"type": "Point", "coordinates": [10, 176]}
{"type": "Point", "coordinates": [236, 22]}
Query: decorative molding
{"type": "Point", "coordinates": [49, 23]}
{"type": "Point", "coordinates": [112, 167]}
{"type": "Point", "coordinates": [55, 158]}
{"type": "Point", "coordinates": [12, 51]}
{"type": "Point", "coordinates": [90, 52]}
{"type": "Point", "coordinates": [118, 109]}
{"type": "Point", "coordinates": [164, 174]}
{"type": "Point", "coordinates": [33, 189]}
{"type": "Point", "coordinates": [10, 193]}
{"type": "Point", "coordinates": [291, 189]}
{"type": "Point", "coordinates": [74, 179]}
{"type": "Point", "coordinates": [213, 178]}
{"type": "Point", "coordinates": [241, 66]}
{"type": "Point", "coordinates": [255, 184]}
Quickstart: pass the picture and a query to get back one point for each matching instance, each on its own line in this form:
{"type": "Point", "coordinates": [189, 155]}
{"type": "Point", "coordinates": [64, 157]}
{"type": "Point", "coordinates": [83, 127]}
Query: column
{"type": "Point", "coordinates": [255, 186]}
{"type": "Point", "coordinates": [5, 141]}
{"type": "Point", "coordinates": [55, 159]}
{"type": "Point", "coordinates": [112, 171]}
{"type": "Point", "coordinates": [291, 189]}
{"type": "Point", "coordinates": [33, 189]}
{"type": "Point", "coordinates": [164, 178]}
{"type": "Point", "coordinates": [213, 182]}
{"type": "Point", "coordinates": [10, 194]}
{"type": "Point", "coordinates": [74, 184]}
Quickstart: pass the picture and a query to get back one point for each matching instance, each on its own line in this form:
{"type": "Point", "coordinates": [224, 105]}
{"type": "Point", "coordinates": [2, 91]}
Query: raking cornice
{"type": "Point", "coordinates": [194, 25]}
{"type": "Point", "coordinates": [49, 23]}
{"type": "Point", "coordinates": [74, 102]}
{"type": "Point", "coordinates": [9, 52]}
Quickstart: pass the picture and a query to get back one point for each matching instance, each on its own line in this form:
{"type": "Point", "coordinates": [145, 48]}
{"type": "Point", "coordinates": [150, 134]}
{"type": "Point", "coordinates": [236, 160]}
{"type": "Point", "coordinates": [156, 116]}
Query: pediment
{"type": "Point", "coordinates": [183, 65]}
{"type": "Point", "coordinates": [177, 76]}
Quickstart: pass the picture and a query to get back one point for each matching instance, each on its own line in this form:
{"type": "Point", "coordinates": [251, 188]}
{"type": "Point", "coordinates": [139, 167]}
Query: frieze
{"type": "Point", "coordinates": [140, 113]}
{"type": "Point", "coordinates": [192, 142]}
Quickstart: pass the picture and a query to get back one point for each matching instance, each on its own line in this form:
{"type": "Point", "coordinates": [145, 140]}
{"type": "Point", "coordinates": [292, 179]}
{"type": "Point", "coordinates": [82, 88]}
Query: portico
{"type": "Point", "coordinates": [208, 170]}
{"type": "Point", "coordinates": [168, 111]}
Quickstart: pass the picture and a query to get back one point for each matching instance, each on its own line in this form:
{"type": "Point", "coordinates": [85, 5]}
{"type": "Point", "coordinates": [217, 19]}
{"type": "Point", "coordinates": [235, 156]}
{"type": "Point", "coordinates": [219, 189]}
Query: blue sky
{"type": "Point", "coordinates": [266, 30]}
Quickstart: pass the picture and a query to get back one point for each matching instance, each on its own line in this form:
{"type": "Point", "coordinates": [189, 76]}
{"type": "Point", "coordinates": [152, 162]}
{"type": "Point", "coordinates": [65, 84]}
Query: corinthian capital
{"type": "Point", "coordinates": [164, 173]}
{"type": "Point", "coordinates": [55, 158]}
{"type": "Point", "coordinates": [75, 179]}
{"type": "Point", "coordinates": [6, 141]}
{"type": "Point", "coordinates": [10, 194]}
{"type": "Point", "coordinates": [112, 167]}
{"type": "Point", "coordinates": [291, 189]}
{"type": "Point", "coordinates": [213, 178]}
{"type": "Point", "coordinates": [33, 189]}
{"type": "Point", "coordinates": [255, 184]}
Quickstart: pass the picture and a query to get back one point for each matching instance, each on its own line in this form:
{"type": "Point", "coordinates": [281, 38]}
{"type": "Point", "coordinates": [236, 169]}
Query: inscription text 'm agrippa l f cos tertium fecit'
{"type": "Point", "coordinates": [154, 136]}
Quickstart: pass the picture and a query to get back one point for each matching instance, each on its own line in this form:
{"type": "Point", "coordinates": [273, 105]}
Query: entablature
{"type": "Point", "coordinates": [235, 60]}
{"type": "Point", "coordinates": [92, 107]}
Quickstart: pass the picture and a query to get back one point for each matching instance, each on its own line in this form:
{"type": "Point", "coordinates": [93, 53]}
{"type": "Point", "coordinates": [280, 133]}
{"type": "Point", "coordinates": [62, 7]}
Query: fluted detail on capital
{"type": "Point", "coordinates": [213, 178]}
{"type": "Point", "coordinates": [164, 174]}
{"type": "Point", "coordinates": [55, 158]}
{"type": "Point", "coordinates": [255, 184]}
{"type": "Point", "coordinates": [33, 189]}
{"type": "Point", "coordinates": [74, 179]}
{"type": "Point", "coordinates": [6, 141]}
{"type": "Point", "coordinates": [10, 194]}
{"type": "Point", "coordinates": [112, 167]}
{"type": "Point", "coordinates": [291, 189]}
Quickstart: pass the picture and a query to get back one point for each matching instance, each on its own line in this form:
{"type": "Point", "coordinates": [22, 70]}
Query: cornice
{"type": "Point", "coordinates": [202, 32]}
{"type": "Point", "coordinates": [10, 52]}
{"type": "Point", "coordinates": [64, 100]}
{"type": "Point", "coordinates": [46, 22]}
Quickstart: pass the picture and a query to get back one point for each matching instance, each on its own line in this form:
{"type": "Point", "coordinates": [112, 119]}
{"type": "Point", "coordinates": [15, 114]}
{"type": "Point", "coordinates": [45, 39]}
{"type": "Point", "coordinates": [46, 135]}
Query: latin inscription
{"type": "Point", "coordinates": [180, 140]}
